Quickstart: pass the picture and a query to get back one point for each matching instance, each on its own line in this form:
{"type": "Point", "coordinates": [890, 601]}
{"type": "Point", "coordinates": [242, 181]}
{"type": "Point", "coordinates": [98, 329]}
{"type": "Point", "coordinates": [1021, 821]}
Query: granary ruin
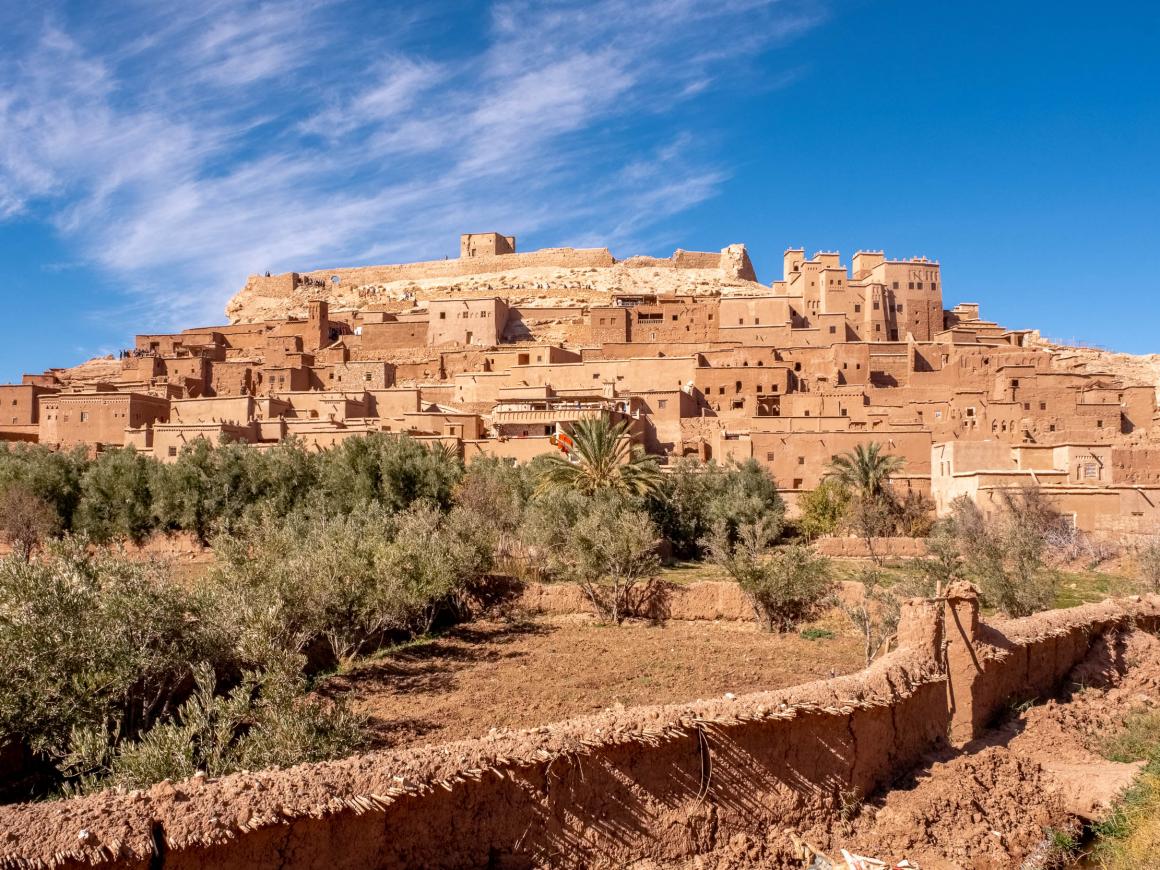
{"type": "Point", "coordinates": [497, 351]}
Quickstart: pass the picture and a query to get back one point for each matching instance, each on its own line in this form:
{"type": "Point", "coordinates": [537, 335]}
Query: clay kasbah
{"type": "Point", "coordinates": [499, 352]}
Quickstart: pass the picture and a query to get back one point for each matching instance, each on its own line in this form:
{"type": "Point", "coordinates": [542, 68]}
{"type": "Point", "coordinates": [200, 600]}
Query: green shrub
{"type": "Point", "coordinates": [605, 544]}
{"type": "Point", "coordinates": [824, 508]}
{"type": "Point", "coordinates": [344, 579]}
{"type": "Point", "coordinates": [394, 471]}
{"type": "Point", "coordinates": [52, 475]}
{"type": "Point", "coordinates": [1004, 555]}
{"type": "Point", "coordinates": [491, 498]}
{"type": "Point", "coordinates": [97, 642]}
{"type": "Point", "coordinates": [697, 496]}
{"type": "Point", "coordinates": [264, 721]}
{"type": "Point", "coordinates": [784, 587]}
{"type": "Point", "coordinates": [115, 503]}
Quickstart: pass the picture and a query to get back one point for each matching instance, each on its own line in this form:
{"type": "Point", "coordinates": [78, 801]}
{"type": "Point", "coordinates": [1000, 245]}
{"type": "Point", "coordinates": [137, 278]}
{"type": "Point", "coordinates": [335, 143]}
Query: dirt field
{"type": "Point", "coordinates": [498, 674]}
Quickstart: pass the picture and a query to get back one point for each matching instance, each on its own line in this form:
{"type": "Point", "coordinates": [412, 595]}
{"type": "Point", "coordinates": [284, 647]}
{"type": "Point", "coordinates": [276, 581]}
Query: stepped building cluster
{"type": "Point", "coordinates": [495, 352]}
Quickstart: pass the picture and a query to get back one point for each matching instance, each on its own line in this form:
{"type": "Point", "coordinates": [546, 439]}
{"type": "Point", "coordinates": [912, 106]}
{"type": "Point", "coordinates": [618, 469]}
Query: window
{"type": "Point", "coordinates": [172, 450]}
{"type": "Point", "coordinates": [368, 376]}
{"type": "Point", "coordinates": [442, 315]}
{"type": "Point", "coordinates": [84, 416]}
{"type": "Point", "coordinates": [919, 285]}
{"type": "Point", "coordinates": [738, 404]}
{"type": "Point", "coordinates": [898, 307]}
{"type": "Point", "coordinates": [769, 456]}
{"type": "Point", "coordinates": [674, 317]}
{"type": "Point", "coordinates": [875, 304]}
{"type": "Point", "coordinates": [877, 327]}
{"type": "Point", "coordinates": [1099, 424]}
{"type": "Point", "coordinates": [797, 483]}
{"type": "Point", "coordinates": [801, 460]}
{"type": "Point", "coordinates": [895, 285]}
{"type": "Point", "coordinates": [857, 308]}
{"type": "Point", "coordinates": [662, 404]}
{"type": "Point", "coordinates": [911, 286]}
{"type": "Point", "coordinates": [833, 330]}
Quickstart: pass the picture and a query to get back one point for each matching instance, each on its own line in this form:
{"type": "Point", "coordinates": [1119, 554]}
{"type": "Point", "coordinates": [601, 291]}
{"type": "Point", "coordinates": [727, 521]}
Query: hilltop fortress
{"type": "Point", "coordinates": [496, 351]}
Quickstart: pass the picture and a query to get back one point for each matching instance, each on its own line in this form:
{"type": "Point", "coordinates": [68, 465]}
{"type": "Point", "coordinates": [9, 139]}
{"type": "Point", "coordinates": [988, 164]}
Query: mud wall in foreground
{"type": "Point", "coordinates": [664, 782]}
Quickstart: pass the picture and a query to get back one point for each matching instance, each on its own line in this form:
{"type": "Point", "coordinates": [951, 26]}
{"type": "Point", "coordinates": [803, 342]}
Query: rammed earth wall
{"type": "Point", "coordinates": [664, 782]}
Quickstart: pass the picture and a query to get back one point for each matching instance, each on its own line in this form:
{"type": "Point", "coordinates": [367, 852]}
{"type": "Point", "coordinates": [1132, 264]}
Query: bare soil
{"type": "Point", "coordinates": [498, 674]}
{"type": "Point", "coordinates": [995, 802]}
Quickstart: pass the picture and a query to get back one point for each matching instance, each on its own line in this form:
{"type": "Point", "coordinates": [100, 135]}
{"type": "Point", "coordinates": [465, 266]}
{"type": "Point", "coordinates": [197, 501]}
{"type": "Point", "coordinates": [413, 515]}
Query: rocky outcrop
{"type": "Point", "coordinates": [552, 276]}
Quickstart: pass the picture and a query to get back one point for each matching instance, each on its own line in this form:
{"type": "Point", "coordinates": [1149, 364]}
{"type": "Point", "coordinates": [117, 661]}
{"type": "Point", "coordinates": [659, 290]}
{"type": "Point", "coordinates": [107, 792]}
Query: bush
{"type": "Point", "coordinates": [1004, 555]}
{"type": "Point", "coordinates": [824, 508]}
{"type": "Point", "coordinates": [606, 544]}
{"type": "Point", "coordinates": [491, 498]}
{"type": "Point", "coordinates": [394, 471]}
{"type": "Point", "coordinates": [913, 515]}
{"type": "Point", "coordinates": [94, 642]}
{"type": "Point", "coordinates": [52, 475]}
{"type": "Point", "coordinates": [115, 503]}
{"type": "Point", "coordinates": [944, 564]}
{"type": "Point", "coordinates": [26, 519]}
{"type": "Point", "coordinates": [875, 614]}
{"type": "Point", "coordinates": [264, 721]}
{"type": "Point", "coordinates": [784, 587]}
{"type": "Point", "coordinates": [344, 580]}
{"type": "Point", "coordinates": [696, 497]}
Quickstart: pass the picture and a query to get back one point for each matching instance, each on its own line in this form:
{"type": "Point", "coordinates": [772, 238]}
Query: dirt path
{"type": "Point", "coordinates": [497, 674]}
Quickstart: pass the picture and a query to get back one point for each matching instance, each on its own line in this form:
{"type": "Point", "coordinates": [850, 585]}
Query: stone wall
{"type": "Point", "coordinates": [563, 258]}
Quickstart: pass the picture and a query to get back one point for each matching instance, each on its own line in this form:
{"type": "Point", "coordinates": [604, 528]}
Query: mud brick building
{"type": "Point", "coordinates": [497, 350]}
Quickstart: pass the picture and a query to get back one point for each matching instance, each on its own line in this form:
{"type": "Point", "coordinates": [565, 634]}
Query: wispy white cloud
{"type": "Point", "coordinates": [183, 146]}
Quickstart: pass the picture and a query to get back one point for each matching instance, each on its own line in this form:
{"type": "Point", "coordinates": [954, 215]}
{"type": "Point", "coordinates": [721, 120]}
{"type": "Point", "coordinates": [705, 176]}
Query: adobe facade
{"type": "Point", "coordinates": [496, 351]}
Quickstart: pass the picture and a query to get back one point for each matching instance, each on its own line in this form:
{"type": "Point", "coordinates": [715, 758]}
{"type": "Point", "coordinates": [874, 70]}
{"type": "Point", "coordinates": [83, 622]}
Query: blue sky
{"type": "Point", "coordinates": [152, 154]}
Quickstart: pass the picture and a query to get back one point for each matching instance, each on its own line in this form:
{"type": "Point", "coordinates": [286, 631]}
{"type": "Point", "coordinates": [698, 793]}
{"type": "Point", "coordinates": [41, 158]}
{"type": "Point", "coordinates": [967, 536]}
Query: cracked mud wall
{"type": "Point", "coordinates": [663, 783]}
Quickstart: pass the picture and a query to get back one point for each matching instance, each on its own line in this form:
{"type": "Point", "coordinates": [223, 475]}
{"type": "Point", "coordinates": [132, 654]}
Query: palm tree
{"type": "Point", "coordinates": [606, 461]}
{"type": "Point", "coordinates": [865, 470]}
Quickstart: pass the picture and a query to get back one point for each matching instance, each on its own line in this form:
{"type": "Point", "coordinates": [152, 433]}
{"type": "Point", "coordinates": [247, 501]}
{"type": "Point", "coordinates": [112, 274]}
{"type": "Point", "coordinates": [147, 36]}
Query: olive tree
{"type": "Point", "coordinates": [784, 586]}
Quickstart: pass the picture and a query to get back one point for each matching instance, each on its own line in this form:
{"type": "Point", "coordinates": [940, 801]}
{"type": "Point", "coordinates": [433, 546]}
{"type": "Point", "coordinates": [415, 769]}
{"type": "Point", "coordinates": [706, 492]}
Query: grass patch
{"type": "Point", "coordinates": [1084, 587]}
{"type": "Point", "coordinates": [1130, 836]}
{"type": "Point", "coordinates": [816, 634]}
